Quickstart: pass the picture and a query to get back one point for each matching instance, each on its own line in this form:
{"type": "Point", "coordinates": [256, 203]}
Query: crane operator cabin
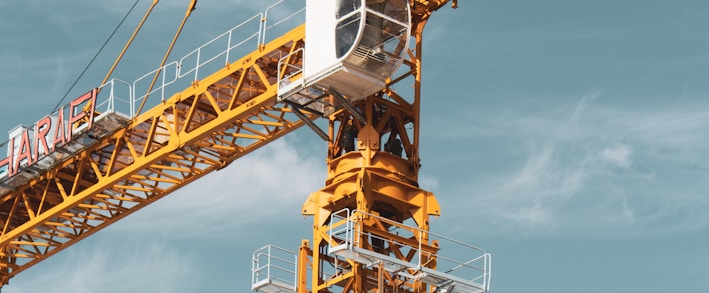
{"type": "Point", "coordinates": [353, 47]}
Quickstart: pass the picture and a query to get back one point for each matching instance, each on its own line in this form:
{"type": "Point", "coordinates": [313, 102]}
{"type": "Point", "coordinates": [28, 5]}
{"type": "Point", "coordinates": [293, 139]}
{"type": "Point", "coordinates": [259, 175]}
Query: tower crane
{"type": "Point", "coordinates": [100, 157]}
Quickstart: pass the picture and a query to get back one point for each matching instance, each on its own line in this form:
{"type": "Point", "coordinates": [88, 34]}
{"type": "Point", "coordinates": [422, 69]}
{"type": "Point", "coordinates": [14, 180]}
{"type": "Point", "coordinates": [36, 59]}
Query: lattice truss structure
{"type": "Point", "coordinates": [377, 175]}
{"type": "Point", "coordinates": [371, 220]}
{"type": "Point", "coordinates": [210, 124]}
{"type": "Point", "coordinates": [216, 121]}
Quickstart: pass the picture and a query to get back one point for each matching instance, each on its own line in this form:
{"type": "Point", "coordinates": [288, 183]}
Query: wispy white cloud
{"type": "Point", "coordinates": [628, 212]}
{"type": "Point", "coordinates": [428, 182]}
{"type": "Point", "coordinates": [162, 248]}
{"type": "Point", "coordinates": [529, 215]}
{"type": "Point", "coordinates": [619, 155]}
{"type": "Point", "coordinates": [599, 168]}
{"type": "Point", "coordinates": [149, 265]}
{"type": "Point", "coordinates": [271, 181]}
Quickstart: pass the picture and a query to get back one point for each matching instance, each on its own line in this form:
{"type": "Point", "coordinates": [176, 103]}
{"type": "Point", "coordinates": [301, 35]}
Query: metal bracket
{"type": "Point", "coordinates": [345, 103]}
{"type": "Point", "coordinates": [308, 122]}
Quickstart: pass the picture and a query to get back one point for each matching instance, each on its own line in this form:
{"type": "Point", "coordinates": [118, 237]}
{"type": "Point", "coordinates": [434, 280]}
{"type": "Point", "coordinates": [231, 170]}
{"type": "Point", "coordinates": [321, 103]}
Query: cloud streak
{"type": "Point", "coordinates": [271, 181]}
{"type": "Point", "coordinates": [166, 246]}
{"type": "Point", "coordinates": [620, 155]}
{"type": "Point", "coordinates": [147, 266]}
{"type": "Point", "coordinates": [600, 169]}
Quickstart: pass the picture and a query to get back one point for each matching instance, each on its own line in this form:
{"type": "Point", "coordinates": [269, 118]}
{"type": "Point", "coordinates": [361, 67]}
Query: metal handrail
{"type": "Point", "coordinates": [354, 230]}
{"type": "Point", "coordinates": [229, 47]}
{"type": "Point", "coordinates": [112, 97]}
{"type": "Point", "coordinates": [266, 27]}
{"type": "Point", "coordinates": [348, 226]}
{"type": "Point", "coordinates": [163, 71]}
{"type": "Point", "coordinates": [133, 98]}
{"type": "Point", "coordinates": [282, 64]}
{"type": "Point", "coordinates": [257, 274]}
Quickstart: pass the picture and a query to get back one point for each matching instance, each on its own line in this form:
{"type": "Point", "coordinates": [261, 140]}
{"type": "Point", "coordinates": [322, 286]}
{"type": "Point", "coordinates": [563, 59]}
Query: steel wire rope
{"type": "Point", "coordinates": [192, 6]}
{"type": "Point", "coordinates": [95, 56]}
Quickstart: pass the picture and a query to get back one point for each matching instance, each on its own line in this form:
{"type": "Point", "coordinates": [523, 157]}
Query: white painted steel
{"type": "Point", "coordinates": [273, 270]}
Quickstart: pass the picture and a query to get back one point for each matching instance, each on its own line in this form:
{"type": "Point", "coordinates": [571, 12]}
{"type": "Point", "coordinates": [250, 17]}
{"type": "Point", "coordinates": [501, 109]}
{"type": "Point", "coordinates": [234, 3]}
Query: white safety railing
{"type": "Point", "coordinates": [115, 96]}
{"type": "Point", "coordinates": [342, 229]}
{"type": "Point", "coordinates": [431, 255]}
{"type": "Point", "coordinates": [42, 148]}
{"type": "Point", "coordinates": [218, 52]}
{"type": "Point", "coordinates": [118, 96]}
{"type": "Point", "coordinates": [279, 18]}
{"type": "Point", "coordinates": [273, 269]}
{"type": "Point", "coordinates": [168, 74]}
{"type": "Point", "coordinates": [289, 71]}
{"type": "Point", "coordinates": [222, 46]}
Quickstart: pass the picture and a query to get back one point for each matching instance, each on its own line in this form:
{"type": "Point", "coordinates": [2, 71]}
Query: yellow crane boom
{"type": "Point", "coordinates": [202, 129]}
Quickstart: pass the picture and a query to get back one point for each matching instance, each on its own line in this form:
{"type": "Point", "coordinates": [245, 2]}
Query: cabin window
{"type": "Point", "coordinates": [346, 34]}
{"type": "Point", "coordinates": [345, 7]}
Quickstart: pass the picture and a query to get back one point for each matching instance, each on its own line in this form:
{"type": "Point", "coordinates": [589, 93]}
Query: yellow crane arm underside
{"type": "Point", "coordinates": [217, 120]}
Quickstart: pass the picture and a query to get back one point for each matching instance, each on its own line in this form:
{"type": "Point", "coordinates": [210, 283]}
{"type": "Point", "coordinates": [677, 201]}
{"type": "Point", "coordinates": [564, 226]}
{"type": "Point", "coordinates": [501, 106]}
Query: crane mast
{"type": "Point", "coordinates": [370, 220]}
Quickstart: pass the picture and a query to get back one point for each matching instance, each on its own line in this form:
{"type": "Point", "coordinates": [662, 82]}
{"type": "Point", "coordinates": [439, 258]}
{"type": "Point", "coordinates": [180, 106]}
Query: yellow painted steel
{"type": "Point", "coordinates": [207, 126]}
{"type": "Point", "coordinates": [372, 179]}
{"type": "Point", "coordinates": [129, 42]}
{"type": "Point", "coordinates": [376, 177]}
{"type": "Point", "coordinates": [201, 129]}
{"type": "Point", "coordinates": [190, 8]}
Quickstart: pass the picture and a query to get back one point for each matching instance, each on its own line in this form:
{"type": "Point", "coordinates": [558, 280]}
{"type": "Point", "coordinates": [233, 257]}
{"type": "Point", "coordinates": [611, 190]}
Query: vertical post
{"type": "Point", "coordinates": [162, 88]}
{"type": "Point", "coordinates": [196, 66]}
{"type": "Point", "coordinates": [228, 48]}
{"type": "Point", "coordinates": [420, 248]}
{"type": "Point", "coordinates": [380, 278]}
{"type": "Point", "coordinates": [262, 31]}
{"type": "Point", "coordinates": [350, 234]}
{"type": "Point", "coordinates": [113, 99]}
{"type": "Point", "coordinates": [418, 34]}
{"type": "Point", "coordinates": [302, 274]}
{"type": "Point", "coordinates": [131, 101]}
{"type": "Point", "coordinates": [268, 263]}
{"type": "Point", "coordinates": [254, 267]}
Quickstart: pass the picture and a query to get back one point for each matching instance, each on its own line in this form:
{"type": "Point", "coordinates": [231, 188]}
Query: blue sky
{"type": "Point", "coordinates": [570, 139]}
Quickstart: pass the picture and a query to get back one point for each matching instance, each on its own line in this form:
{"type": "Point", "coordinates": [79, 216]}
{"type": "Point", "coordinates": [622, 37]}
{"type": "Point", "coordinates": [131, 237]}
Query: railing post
{"type": "Point", "coordinates": [295, 270]}
{"type": "Point", "coordinates": [228, 48]}
{"type": "Point", "coordinates": [420, 248]}
{"type": "Point", "coordinates": [262, 29]}
{"type": "Point", "coordinates": [253, 268]}
{"type": "Point", "coordinates": [268, 263]}
{"type": "Point", "coordinates": [131, 101]}
{"type": "Point", "coordinates": [351, 229]}
{"type": "Point", "coordinates": [196, 67]}
{"type": "Point", "coordinates": [488, 271]}
{"type": "Point", "coordinates": [162, 88]}
{"type": "Point", "coordinates": [112, 103]}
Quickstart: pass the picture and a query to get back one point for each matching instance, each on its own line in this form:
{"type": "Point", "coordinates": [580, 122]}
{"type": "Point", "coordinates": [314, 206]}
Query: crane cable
{"type": "Point", "coordinates": [130, 41]}
{"type": "Point", "coordinates": [190, 8]}
{"type": "Point", "coordinates": [96, 55]}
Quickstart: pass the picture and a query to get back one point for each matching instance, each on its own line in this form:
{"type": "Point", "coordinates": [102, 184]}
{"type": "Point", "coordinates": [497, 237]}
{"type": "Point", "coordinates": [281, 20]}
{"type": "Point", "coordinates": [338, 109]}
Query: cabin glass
{"type": "Point", "coordinates": [345, 7]}
{"type": "Point", "coordinates": [346, 32]}
{"type": "Point", "coordinates": [394, 9]}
